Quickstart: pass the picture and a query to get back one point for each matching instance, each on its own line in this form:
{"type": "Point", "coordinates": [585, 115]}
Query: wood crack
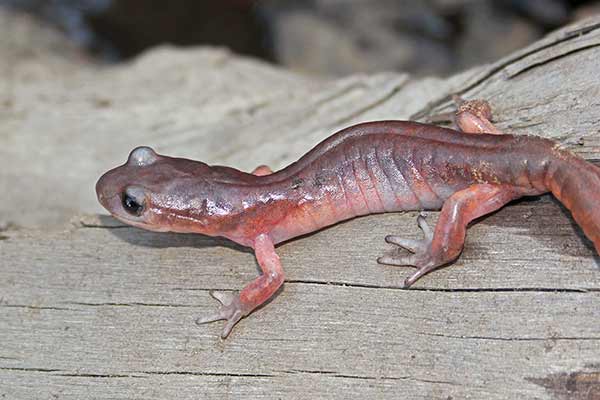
{"type": "Point", "coordinates": [550, 60]}
{"type": "Point", "coordinates": [495, 69]}
{"type": "Point", "coordinates": [132, 304]}
{"type": "Point", "coordinates": [512, 339]}
{"type": "Point", "coordinates": [335, 374]}
{"type": "Point", "coordinates": [99, 226]}
{"type": "Point", "coordinates": [139, 374]}
{"type": "Point", "coordinates": [83, 375]}
{"type": "Point", "coordinates": [24, 369]}
{"type": "Point", "coordinates": [133, 374]}
{"type": "Point", "coordinates": [445, 290]}
{"type": "Point", "coordinates": [32, 307]}
{"type": "Point", "coordinates": [371, 106]}
{"type": "Point", "coordinates": [208, 373]}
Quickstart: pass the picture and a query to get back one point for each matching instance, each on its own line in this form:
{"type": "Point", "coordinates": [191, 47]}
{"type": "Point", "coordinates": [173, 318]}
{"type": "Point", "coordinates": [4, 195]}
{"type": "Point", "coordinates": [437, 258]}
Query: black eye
{"type": "Point", "coordinates": [133, 203]}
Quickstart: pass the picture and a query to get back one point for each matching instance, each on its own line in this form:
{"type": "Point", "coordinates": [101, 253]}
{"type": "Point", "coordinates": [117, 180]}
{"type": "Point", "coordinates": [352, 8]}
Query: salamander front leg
{"type": "Point", "coordinates": [447, 240]}
{"type": "Point", "coordinates": [236, 306]}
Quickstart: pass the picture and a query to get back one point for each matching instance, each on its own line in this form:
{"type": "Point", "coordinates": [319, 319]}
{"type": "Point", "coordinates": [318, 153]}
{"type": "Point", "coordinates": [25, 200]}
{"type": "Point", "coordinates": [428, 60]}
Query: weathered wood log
{"type": "Point", "coordinates": [100, 310]}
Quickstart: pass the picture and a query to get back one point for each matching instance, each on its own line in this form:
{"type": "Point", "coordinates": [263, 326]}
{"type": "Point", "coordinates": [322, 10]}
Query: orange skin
{"type": "Point", "coordinates": [374, 167]}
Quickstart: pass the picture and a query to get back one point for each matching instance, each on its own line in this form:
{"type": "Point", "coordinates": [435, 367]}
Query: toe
{"type": "Point", "coordinates": [210, 318]}
{"type": "Point", "coordinates": [406, 261]}
{"type": "Point", "coordinates": [423, 269]}
{"type": "Point", "coordinates": [414, 277]}
{"type": "Point", "coordinates": [224, 298]}
{"type": "Point", "coordinates": [234, 319]}
{"type": "Point", "coordinates": [427, 231]}
{"type": "Point", "coordinates": [408, 244]}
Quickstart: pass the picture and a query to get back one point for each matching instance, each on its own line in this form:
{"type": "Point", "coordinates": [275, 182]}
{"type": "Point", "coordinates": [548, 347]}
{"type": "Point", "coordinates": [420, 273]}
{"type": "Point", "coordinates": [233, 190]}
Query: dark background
{"type": "Point", "coordinates": [318, 37]}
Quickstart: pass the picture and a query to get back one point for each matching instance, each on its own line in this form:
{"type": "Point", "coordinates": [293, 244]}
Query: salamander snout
{"type": "Point", "coordinates": [128, 203]}
{"type": "Point", "coordinates": [115, 189]}
{"type": "Point", "coordinates": [123, 199]}
{"type": "Point", "coordinates": [101, 191]}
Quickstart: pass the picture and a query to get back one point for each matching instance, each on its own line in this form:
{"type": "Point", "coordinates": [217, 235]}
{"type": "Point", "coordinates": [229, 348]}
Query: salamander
{"type": "Point", "coordinates": [373, 167]}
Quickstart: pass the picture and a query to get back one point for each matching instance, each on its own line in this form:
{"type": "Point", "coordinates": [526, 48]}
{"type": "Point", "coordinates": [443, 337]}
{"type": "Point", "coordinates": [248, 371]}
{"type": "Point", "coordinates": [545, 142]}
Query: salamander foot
{"type": "Point", "coordinates": [230, 310]}
{"type": "Point", "coordinates": [421, 257]}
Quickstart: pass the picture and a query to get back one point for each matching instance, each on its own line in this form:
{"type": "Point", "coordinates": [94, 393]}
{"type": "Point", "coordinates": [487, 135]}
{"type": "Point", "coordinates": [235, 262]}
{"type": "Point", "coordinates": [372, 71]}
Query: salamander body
{"type": "Point", "coordinates": [374, 167]}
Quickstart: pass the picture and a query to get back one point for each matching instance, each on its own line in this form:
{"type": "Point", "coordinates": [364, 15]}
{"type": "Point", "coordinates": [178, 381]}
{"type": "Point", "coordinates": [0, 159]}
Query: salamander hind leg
{"type": "Point", "coordinates": [444, 244]}
{"type": "Point", "coordinates": [474, 116]}
{"type": "Point", "coordinates": [421, 255]}
{"type": "Point", "coordinates": [236, 306]}
{"type": "Point", "coordinates": [420, 249]}
{"type": "Point", "coordinates": [471, 116]}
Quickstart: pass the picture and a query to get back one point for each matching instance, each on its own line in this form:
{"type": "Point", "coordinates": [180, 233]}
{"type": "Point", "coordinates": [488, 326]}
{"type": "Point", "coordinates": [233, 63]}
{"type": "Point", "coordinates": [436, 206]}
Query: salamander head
{"type": "Point", "coordinates": [160, 193]}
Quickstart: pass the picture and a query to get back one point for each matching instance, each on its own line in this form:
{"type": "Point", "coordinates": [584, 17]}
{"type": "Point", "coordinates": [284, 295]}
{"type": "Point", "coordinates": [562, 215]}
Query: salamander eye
{"type": "Point", "coordinates": [134, 201]}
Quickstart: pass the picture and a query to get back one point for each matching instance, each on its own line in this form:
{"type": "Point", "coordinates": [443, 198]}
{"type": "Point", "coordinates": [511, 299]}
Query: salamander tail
{"type": "Point", "coordinates": [576, 183]}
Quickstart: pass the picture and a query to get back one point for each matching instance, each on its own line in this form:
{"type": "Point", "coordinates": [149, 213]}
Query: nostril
{"type": "Point", "coordinates": [99, 191]}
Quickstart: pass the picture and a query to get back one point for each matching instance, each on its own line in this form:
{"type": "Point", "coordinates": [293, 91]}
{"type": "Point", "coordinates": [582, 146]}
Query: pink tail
{"type": "Point", "coordinates": [576, 183]}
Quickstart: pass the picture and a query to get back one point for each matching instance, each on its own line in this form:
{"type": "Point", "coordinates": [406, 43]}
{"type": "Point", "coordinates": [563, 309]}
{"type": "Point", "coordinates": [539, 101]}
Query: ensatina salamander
{"type": "Point", "coordinates": [369, 168]}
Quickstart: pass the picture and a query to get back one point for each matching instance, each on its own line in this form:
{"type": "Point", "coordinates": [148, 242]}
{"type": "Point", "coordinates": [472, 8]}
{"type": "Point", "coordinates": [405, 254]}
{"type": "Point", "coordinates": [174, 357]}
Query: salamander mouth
{"type": "Point", "coordinates": [126, 220]}
{"type": "Point", "coordinates": [139, 223]}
